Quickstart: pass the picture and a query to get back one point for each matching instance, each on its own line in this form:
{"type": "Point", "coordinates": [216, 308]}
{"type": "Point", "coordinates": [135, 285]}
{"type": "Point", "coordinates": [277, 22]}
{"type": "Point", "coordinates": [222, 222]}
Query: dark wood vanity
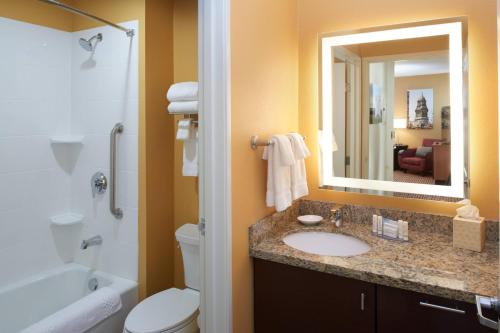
{"type": "Point", "coordinates": [292, 299]}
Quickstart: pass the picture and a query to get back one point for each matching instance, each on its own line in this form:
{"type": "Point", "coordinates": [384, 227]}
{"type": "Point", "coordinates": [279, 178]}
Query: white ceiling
{"type": "Point", "coordinates": [437, 64]}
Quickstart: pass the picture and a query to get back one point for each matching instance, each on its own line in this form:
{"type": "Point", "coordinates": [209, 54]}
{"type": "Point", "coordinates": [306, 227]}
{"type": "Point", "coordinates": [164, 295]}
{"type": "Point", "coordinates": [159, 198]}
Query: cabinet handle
{"type": "Point", "coordinates": [362, 301]}
{"type": "Point", "coordinates": [439, 307]}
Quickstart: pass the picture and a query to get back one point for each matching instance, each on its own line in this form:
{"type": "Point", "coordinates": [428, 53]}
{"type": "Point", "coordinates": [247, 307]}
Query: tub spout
{"type": "Point", "coordinates": [96, 240]}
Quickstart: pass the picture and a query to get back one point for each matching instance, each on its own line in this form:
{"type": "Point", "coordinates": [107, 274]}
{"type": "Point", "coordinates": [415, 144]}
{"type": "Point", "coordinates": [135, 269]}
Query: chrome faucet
{"type": "Point", "coordinates": [336, 215]}
{"type": "Point", "coordinates": [96, 240]}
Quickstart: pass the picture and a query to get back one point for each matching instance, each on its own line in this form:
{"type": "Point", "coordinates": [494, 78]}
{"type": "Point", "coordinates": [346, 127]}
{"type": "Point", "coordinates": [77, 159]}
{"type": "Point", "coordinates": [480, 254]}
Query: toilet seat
{"type": "Point", "coordinates": [164, 312]}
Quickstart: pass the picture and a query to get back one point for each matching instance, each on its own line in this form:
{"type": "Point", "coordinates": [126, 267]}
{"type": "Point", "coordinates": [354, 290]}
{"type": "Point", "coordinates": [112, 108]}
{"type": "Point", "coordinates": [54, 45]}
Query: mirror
{"type": "Point", "coordinates": [393, 110]}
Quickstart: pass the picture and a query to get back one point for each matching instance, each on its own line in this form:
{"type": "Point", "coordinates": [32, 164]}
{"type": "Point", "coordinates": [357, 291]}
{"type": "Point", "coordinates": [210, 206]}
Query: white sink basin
{"type": "Point", "coordinates": [326, 244]}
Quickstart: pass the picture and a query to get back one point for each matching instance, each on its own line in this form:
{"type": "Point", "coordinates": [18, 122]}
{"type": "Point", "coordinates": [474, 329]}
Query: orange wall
{"type": "Point", "coordinates": [326, 16]}
{"type": "Point", "coordinates": [36, 12]}
{"type": "Point", "coordinates": [185, 69]}
{"type": "Point", "coordinates": [264, 78]}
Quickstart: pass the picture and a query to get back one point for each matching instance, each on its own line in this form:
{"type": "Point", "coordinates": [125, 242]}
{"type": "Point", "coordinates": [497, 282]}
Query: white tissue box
{"type": "Point", "coordinates": [469, 234]}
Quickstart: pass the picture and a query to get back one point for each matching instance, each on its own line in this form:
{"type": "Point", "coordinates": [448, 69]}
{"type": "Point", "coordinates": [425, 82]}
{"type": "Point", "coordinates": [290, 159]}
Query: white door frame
{"type": "Point", "coordinates": [215, 165]}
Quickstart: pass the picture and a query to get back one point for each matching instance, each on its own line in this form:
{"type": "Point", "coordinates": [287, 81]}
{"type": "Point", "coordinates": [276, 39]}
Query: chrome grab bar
{"type": "Point", "coordinates": [439, 307]}
{"type": "Point", "coordinates": [117, 212]}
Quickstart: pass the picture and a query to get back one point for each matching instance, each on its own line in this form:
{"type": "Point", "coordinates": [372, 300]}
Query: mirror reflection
{"type": "Point", "coordinates": [391, 111]}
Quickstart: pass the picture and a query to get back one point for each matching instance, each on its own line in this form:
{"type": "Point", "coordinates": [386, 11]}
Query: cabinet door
{"type": "Point", "coordinates": [405, 311]}
{"type": "Point", "coordinates": [290, 299]}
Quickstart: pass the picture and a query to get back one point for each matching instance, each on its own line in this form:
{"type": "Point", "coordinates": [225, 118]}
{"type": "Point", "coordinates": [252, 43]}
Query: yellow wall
{"type": "Point", "coordinates": [440, 85]}
{"type": "Point", "coordinates": [185, 69]}
{"type": "Point", "coordinates": [326, 16]}
{"type": "Point", "coordinates": [264, 56]}
{"type": "Point", "coordinates": [36, 12]}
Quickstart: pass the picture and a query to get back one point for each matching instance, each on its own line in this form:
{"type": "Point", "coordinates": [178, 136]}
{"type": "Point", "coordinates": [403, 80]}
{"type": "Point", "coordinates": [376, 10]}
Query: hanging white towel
{"type": "Point", "coordinates": [298, 168]}
{"type": "Point", "coordinates": [82, 315]}
{"type": "Point", "coordinates": [184, 128]}
{"type": "Point", "coordinates": [183, 91]}
{"type": "Point", "coordinates": [183, 107]}
{"type": "Point", "coordinates": [279, 158]}
{"type": "Point", "coordinates": [190, 154]}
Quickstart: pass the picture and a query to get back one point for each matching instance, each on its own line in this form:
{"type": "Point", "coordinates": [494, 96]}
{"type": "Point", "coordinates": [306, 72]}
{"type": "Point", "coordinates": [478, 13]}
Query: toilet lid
{"type": "Point", "coordinates": [163, 311]}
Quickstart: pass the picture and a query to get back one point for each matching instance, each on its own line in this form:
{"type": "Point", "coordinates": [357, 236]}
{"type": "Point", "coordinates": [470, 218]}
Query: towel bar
{"type": "Point", "coordinates": [256, 142]}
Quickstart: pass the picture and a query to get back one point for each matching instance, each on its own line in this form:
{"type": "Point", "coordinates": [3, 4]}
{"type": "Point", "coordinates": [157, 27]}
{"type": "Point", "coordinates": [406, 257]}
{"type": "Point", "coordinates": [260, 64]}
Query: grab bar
{"type": "Point", "coordinates": [117, 212]}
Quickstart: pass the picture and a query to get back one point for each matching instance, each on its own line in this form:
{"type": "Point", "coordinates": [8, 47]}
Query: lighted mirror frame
{"type": "Point", "coordinates": [454, 32]}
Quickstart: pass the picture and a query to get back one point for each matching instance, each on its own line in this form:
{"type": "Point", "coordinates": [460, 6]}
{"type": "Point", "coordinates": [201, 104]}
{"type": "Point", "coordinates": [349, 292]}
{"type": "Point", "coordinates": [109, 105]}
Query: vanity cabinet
{"type": "Point", "coordinates": [410, 312]}
{"type": "Point", "coordinates": [291, 299]}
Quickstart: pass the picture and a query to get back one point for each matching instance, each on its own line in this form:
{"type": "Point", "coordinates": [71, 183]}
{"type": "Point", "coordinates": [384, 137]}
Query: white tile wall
{"type": "Point", "coordinates": [35, 80]}
{"type": "Point", "coordinates": [47, 88]}
{"type": "Point", "coordinates": [103, 94]}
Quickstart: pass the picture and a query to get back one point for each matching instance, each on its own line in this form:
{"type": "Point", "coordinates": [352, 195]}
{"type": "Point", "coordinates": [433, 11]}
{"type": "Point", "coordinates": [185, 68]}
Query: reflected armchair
{"type": "Point", "coordinates": [418, 160]}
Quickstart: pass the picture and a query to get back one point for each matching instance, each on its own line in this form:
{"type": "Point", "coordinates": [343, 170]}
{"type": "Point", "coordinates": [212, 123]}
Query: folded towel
{"type": "Point", "coordinates": [190, 154]}
{"type": "Point", "coordinates": [82, 315]}
{"type": "Point", "coordinates": [183, 91]}
{"type": "Point", "coordinates": [184, 129]}
{"type": "Point", "coordinates": [183, 107]}
{"type": "Point", "coordinates": [280, 158]}
{"type": "Point", "coordinates": [298, 168]}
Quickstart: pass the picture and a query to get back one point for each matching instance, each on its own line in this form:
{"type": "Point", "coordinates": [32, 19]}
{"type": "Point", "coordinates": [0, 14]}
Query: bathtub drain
{"type": "Point", "coordinates": [93, 284]}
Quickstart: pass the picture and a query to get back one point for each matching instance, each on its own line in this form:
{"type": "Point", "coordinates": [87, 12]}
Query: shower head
{"type": "Point", "coordinates": [87, 44]}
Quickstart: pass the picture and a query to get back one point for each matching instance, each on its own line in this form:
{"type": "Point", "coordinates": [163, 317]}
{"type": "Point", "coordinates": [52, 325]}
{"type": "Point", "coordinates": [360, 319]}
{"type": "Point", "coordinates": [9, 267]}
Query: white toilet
{"type": "Point", "coordinates": [173, 310]}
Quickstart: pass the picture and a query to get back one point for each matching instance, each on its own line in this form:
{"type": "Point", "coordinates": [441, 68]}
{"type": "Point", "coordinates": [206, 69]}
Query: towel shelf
{"type": "Point", "coordinates": [255, 142]}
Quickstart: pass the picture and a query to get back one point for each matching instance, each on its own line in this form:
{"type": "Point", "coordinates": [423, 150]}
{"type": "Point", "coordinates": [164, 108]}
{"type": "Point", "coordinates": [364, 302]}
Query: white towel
{"type": "Point", "coordinates": [81, 315]}
{"type": "Point", "coordinates": [298, 168]}
{"type": "Point", "coordinates": [190, 155]}
{"type": "Point", "coordinates": [183, 91]}
{"type": "Point", "coordinates": [184, 128]}
{"type": "Point", "coordinates": [279, 158]}
{"type": "Point", "coordinates": [183, 107]}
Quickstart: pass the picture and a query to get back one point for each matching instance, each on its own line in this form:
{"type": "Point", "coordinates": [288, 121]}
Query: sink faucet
{"type": "Point", "coordinates": [336, 215]}
{"type": "Point", "coordinates": [96, 240]}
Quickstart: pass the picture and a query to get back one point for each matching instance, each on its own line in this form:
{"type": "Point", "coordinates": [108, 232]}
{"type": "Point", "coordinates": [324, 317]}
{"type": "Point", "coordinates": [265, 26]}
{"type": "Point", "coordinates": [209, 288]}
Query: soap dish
{"type": "Point", "coordinates": [310, 219]}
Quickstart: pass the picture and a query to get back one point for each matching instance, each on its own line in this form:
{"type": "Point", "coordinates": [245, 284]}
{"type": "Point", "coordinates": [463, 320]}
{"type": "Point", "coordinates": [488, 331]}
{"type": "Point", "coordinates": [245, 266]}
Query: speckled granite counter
{"type": "Point", "coordinates": [427, 263]}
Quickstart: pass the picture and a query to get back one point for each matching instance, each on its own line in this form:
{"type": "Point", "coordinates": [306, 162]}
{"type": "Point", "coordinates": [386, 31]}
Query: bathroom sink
{"type": "Point", "coordinates": [326, 244]}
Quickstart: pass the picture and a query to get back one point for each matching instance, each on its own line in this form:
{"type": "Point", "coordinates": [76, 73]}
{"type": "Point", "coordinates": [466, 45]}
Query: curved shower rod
{"type": "Point", "coordinates": [129, 32]}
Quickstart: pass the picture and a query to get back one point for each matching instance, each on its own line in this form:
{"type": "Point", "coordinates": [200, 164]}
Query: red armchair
{"type": "Point", "coordinates": [409, 161]}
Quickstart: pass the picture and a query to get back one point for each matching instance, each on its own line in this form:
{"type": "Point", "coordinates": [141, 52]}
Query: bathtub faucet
{"type": "Point", "coordinates": [96, 240]}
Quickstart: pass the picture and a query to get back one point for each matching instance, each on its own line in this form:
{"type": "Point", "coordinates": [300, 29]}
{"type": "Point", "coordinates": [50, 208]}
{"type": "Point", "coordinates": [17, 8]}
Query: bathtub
{"type": "Point", "coordinates": [26, 302]}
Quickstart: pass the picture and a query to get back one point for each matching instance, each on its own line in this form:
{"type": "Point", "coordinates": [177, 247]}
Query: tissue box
{"type": "Point", "coordinates": [469, 234]}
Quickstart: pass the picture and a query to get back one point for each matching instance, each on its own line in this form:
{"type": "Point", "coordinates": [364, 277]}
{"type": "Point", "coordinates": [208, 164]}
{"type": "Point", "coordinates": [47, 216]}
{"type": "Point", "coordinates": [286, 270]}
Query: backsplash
{"type": "Point", "coordinates": [363, 214]}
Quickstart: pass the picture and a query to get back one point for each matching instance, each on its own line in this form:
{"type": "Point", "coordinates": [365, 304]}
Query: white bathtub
{"type": "Point", "coordinates": [26, 302]}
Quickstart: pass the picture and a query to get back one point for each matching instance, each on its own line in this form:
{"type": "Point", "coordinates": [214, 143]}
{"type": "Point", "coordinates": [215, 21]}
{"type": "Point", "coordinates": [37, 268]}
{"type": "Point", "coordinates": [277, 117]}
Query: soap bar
{"type": "Point", "coordinates": [469, 234]}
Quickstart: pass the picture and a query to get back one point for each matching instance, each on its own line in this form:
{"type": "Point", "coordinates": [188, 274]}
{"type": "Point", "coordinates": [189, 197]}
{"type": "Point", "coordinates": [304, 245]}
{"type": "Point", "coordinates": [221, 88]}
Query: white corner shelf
{"type": "Point", "coordinates": [67, 219]}
{"type": "Point", "coordinates": [67, 139]}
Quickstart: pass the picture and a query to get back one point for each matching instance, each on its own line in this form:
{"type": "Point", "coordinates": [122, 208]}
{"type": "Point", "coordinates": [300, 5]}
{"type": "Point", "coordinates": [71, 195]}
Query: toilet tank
{"type": "Point", "coordinates": [188, 237]}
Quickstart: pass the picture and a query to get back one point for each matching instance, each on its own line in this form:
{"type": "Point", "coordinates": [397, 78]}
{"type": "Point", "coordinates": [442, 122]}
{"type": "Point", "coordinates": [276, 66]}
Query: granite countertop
{"type": "Point", "coordinates": [428, 263]}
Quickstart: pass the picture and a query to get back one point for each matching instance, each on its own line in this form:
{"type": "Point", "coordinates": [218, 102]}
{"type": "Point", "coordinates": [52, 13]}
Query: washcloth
{"type": "Point", "coordinates": [82, 315]}
{"type": "Point", "coordinates": [298, 168]}
{"type": "Point", "coordinates": [182, 92]}
{"type": "Point", "coordinates": [184, 128]}
{"type": "Point", "coordinates": [183, 107]}
{"type": "Point", "coordinates": [279, 158]}
{"type": "Point", "coordinates": [190, 154]}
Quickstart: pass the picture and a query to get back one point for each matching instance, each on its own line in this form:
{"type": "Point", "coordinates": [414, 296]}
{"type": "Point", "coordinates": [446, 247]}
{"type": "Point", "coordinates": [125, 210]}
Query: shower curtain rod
{"type": "Point", "coordinates": [129, 32]}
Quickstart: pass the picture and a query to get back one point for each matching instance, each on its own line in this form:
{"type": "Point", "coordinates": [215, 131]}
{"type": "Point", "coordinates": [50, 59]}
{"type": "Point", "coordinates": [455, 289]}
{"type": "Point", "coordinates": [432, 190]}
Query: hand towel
{"type": "Point", "coordinates": [279, 158]}
{"type": "Point", "coordinates": [298, 168]}
{"type": "Point", "coordinates": [184, 128]}
{"type": "Point", "coordinates": [183, 91]}
{"type": "Point", "coordinates": [183, 107]}
{"type": "Point", "coordinates": [82, 315]}
{"type": "Point", "coordinates": [190, 155]}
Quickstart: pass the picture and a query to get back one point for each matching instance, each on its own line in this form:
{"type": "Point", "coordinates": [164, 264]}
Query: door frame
{"type": "Point", "coordinates": [215, 166]}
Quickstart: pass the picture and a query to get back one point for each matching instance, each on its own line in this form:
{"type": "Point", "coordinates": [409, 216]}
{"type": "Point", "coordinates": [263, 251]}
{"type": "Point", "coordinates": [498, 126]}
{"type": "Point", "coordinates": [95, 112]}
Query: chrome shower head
{"type": "Point", "coordinates": [87, 44]}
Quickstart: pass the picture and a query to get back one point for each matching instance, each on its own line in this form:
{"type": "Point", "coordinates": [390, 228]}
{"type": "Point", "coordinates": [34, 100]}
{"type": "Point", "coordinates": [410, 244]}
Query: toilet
{"type": "Point", "coordinates": [173, 310]}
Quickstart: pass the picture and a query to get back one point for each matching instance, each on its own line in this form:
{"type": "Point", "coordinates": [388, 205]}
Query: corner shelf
{"type": "Point", "coordinates": [67, 139]}
{"type": "Point", "coordinates": [67, 219]}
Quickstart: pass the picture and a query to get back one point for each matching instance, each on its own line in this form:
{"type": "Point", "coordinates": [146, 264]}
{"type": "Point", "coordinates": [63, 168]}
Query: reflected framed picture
{"type": "Point", "coordinates": [420, 105]}
{"type": "Point", "coordinates": [445, 117]}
